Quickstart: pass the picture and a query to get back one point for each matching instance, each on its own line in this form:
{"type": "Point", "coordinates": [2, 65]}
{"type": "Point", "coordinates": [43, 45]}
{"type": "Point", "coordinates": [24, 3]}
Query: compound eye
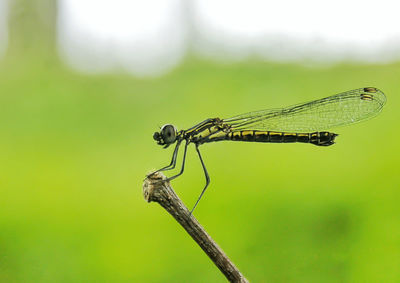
{"type": "Point", "coordinates": [169, 134]}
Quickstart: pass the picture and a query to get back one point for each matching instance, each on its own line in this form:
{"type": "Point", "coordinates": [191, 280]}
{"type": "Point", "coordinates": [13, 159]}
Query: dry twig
{"type": "Point", "coordinates": [157, 189]}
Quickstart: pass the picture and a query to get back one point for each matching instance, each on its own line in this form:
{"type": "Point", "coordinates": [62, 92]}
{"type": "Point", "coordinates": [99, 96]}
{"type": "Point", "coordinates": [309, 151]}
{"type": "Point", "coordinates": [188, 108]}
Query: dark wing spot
{"type": "Point", "coordinates": [364, 96]}
{"type": "Point", "coordinates": [370, 89]}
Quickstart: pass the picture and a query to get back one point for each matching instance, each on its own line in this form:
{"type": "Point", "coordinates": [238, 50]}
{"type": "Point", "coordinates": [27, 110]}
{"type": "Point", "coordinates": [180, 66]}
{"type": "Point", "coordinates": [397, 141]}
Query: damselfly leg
{"type": "Point", "coordinates": [207, 179]}
{"type": "Point", "coordinates": [173, 161]}
{"type": "Point", "coordinates": [183, 164]}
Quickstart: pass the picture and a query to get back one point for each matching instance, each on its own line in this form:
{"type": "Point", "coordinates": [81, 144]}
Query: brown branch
{"type": "Point", "coordinates": [156, 188]}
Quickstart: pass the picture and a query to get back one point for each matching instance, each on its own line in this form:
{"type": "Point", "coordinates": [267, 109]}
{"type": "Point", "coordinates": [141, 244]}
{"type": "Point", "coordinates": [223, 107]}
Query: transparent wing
{"type": "Point", "coordinates": [336, 110]}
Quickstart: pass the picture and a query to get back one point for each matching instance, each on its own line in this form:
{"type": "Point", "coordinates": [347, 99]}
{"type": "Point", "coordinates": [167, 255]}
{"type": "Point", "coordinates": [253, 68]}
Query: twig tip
{"type": "Point", "coordinates": [150, 183]}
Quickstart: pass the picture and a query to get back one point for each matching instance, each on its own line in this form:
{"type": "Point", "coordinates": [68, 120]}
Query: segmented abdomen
{"type": "Point", "coordinates": [317, 138]}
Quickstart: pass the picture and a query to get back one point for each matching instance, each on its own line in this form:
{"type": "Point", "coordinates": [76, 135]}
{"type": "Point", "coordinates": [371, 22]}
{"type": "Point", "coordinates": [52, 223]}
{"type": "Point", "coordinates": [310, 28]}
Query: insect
{"type": "Point", "coordinates": [305, 123]}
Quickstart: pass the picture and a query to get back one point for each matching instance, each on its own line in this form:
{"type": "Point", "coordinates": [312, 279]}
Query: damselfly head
{"type": "Point", "coordinates": [166, 136]}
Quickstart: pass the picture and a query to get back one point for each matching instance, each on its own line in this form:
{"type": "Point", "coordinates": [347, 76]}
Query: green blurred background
{"type": "Point", "coordinates": [75, 149]}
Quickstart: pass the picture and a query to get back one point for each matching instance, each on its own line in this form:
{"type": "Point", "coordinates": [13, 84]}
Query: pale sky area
{"type": "Point", "coordinates": [142, 37]}
{"type": "Point", "coordinates": [3, 27]}
{"type": "Point", "coordinates": [149, 38]}
{"type": "Point", "coordinates": [289, 30]}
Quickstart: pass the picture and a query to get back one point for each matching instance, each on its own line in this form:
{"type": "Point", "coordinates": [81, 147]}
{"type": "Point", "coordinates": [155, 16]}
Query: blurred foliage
{"type": "Point", "coordinates": [75, 149]}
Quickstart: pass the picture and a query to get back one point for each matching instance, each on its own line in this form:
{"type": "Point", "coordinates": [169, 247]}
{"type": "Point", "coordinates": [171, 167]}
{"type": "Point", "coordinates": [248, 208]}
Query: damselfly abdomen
{"type": "Point", "coordinates": [305, 123]}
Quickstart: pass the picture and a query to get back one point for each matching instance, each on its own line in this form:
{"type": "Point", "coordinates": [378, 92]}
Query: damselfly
{"type": "Point", "coordinates": [305, 123]}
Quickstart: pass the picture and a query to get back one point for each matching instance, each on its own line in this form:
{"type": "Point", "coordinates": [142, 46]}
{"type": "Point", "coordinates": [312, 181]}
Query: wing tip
{"type": "Point", "coordinates": [373, 93]}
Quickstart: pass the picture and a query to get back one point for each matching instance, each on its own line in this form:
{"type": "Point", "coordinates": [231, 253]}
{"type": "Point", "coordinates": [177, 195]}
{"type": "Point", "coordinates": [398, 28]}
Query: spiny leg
{"type": "Point", "coordinates": [173, 161]}
{"type": "Point", "coordinates": [207, 179]}
{"type": "Point", "coordinates": [183, 163]}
